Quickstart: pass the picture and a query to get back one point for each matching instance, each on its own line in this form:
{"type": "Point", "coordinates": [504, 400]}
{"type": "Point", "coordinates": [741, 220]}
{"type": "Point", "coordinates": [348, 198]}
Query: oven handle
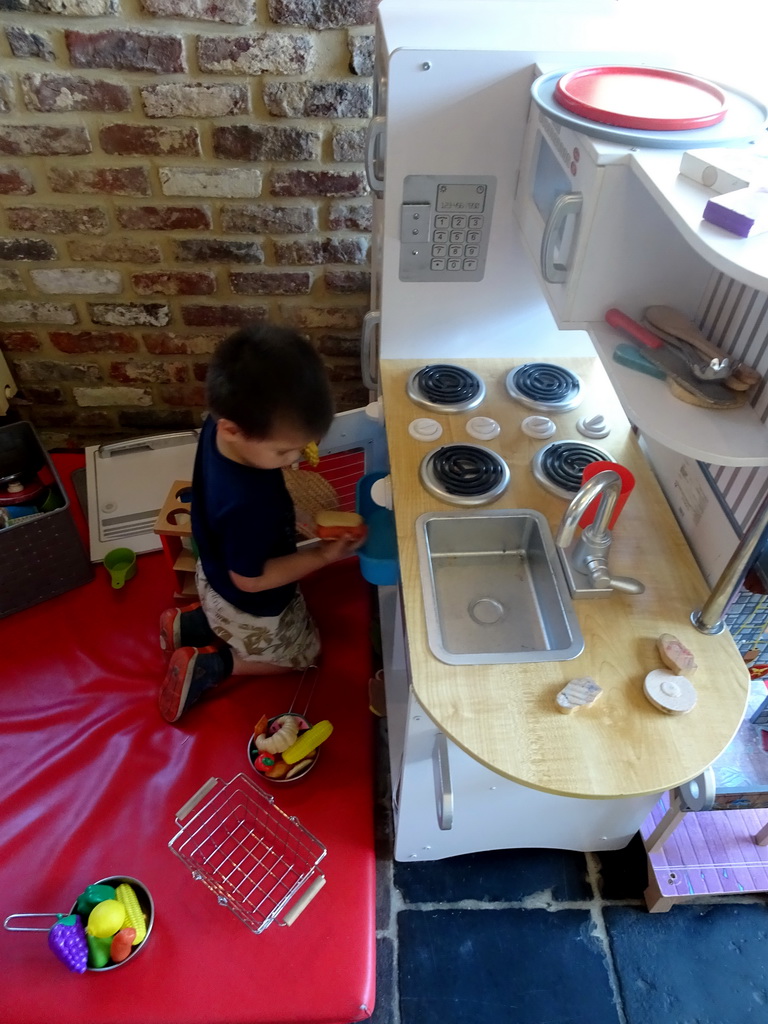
{"type": "Point", "coordinates": [568, 205]}
{"type": "Point", "coordinates": [443, 784]}
{"type": "Point", "coordinates": [374, 162]}
{"type": "Point", "coordinates": [369, 350]}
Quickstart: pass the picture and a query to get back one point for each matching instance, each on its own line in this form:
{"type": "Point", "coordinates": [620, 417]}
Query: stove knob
{"type": "Point", "coordinates": [483, 428]}
{"type": "Point", "coordinates": [425, 429]}
{"type": "Point", "coordinates": [381, 492]}
{"type": "Point", "coordinates": [538, 426]}
{"type": "Point", "coordinates": [375, 410]}
{"type": "Point", "coordinates": [593, 426]}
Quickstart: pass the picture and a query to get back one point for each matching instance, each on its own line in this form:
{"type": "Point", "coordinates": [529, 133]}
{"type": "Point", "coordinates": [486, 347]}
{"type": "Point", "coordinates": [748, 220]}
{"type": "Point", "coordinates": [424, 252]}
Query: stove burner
{"type": "Point", "coordinates": [545, 386]}
{"type": "Point", "coordinates": [464, 474]}
{"type": "Point", "coordinates": [559, 466]}
{"type": "Point", "coordinates": [446, 388]}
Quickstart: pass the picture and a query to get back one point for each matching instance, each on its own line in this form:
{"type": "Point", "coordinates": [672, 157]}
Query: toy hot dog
{"type": "Point", "coordinates": [331, 525]}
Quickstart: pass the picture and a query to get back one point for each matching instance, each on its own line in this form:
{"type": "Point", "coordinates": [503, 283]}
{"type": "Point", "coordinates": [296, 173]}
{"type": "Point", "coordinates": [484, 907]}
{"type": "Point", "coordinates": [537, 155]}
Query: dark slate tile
{"type": "Point", "coordinates": [383, 893]}
{"type": "Point", "coordinates": [624, 873]}
{"type": "Point", "coordinates": [697, 963]}
{"type": "Point", "coordinates": [386, 983]}
{"type": "Point", "coordinates": [498, 875]}
{"type": "Point", "coordinates": [521, 966]}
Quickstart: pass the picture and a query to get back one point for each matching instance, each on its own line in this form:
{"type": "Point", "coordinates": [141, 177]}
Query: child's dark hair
{"type": "Point", "coordinates": [264, 377]}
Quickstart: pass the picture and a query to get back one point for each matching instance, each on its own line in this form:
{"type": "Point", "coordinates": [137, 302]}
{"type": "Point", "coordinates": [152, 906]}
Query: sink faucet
{"type": "Point", "coordinates": [585, 562]}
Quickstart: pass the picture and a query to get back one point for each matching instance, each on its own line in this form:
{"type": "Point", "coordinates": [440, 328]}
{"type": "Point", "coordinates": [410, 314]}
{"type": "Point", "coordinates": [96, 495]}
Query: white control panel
{"type": "Point", "coordinates": [445, 222]}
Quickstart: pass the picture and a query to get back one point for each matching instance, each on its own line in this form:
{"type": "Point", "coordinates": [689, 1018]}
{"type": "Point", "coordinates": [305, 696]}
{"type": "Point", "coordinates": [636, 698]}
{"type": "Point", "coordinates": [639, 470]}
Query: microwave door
{"type": "Point", "coordinates": [558, 241]}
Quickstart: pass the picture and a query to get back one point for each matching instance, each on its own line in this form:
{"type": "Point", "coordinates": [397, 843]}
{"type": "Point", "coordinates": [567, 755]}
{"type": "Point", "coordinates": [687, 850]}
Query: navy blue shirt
{"type": "Point", "coordinates": [241, 517]}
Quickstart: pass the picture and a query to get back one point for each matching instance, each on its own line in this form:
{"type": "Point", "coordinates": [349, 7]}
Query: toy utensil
{"type": "Point", "coordinates": [120, 563]}
{"type": "Point", "coordinates": [666, 318]}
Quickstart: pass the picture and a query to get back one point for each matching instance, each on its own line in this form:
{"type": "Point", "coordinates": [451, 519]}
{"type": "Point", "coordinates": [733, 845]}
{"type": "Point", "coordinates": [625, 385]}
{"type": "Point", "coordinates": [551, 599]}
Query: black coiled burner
{"type": "Point", "coordinates": [465, 474]}
{"type": "Point", "coordinates": [446, 387]}
{"type": "Point", "coordinates": [466, 469]}
{"type": "Point", "coordinates": [559, 466]}
{"type": "Point", "coordinates": [545, 386]}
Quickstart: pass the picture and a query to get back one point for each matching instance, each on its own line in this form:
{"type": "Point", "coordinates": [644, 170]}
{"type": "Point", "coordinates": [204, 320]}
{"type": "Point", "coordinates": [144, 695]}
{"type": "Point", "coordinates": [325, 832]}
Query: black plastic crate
{"type": "Point", "coordinates": [40, 557]}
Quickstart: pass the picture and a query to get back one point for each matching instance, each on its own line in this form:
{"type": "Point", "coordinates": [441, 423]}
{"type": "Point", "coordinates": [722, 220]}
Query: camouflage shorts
{"type": "Point", "coordinates": [289, 639]}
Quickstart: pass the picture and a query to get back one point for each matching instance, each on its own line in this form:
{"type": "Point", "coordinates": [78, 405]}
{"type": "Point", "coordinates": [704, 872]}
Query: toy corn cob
{"type": "Point", "coordinates": [311, 454]}
{"type": "Point", "coordinates": [67, 942]}
{"type": "Point", "coordinates": [307, 742]}
{"type": "Point", "coordinates": [134, 917]}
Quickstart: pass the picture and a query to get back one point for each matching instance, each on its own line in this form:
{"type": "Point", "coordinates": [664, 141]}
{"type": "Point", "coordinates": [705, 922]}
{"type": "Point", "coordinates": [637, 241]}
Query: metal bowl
{"type": "Point", "coordinates": [253, 752]}
{"type": "Point", "coordinates": [147, 908]}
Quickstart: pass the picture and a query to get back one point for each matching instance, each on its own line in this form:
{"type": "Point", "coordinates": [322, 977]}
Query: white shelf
{"type": "Point", "coordinates": [731, 437]}
{"type": "Point", "coordinates": [683, 201]}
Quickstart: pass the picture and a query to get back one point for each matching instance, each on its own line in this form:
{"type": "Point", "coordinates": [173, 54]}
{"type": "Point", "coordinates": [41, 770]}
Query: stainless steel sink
{"type": "Point", "coordinates": [494, 591]}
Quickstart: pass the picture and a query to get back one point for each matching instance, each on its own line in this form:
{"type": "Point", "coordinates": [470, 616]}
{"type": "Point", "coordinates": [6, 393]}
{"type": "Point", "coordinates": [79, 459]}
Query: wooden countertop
{"type": "Point", "coordinates": [505, 715]}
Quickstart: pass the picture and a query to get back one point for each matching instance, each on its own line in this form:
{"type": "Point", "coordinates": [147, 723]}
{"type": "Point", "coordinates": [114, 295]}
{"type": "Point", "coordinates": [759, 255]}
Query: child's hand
{"type": "Point", "coordinates": [342, 547]}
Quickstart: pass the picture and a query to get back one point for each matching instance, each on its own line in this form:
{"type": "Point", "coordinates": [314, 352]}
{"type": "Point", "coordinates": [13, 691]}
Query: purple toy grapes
{"type": "Point", "coordinates": [66, 940]}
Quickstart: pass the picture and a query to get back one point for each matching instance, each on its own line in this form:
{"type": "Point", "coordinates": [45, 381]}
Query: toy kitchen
{"type": "Point", "coordinates": [559, 459]}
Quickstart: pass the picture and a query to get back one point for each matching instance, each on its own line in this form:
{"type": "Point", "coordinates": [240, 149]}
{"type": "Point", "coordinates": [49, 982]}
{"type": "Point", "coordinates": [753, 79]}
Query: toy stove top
{"type": "Point", "coordinates": [473, 474]}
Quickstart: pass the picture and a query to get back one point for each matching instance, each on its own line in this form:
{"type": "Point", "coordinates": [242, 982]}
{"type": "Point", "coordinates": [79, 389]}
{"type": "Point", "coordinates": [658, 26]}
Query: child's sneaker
{"type": "Point", "coordinates": [192, 671]}
{"type": "Point", "coordinates": [186, 627]}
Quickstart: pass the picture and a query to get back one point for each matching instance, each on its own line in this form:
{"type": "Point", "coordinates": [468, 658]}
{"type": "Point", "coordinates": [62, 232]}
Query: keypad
{"type": "Point", "coordinates": [463, 246]}
{"type": "Point", "coordinates": [445, 224]}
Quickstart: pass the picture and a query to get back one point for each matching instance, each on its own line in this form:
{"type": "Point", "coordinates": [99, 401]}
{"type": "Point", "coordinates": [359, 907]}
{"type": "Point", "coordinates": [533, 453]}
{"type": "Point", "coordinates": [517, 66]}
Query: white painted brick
{"type": "Point", "coordinates": [112, 396]}
{"type": "Point", "coordinates": [230, 182]}
{"type": "Point", "coordinates": [36, 313]}
{"type": "Point", "coordinates": [77, 282]}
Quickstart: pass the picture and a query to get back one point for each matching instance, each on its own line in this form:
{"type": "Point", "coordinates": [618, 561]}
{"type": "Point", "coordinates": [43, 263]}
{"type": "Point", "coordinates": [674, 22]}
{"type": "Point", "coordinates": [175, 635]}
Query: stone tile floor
{"type": "Point", "coordinates": [556, 937]}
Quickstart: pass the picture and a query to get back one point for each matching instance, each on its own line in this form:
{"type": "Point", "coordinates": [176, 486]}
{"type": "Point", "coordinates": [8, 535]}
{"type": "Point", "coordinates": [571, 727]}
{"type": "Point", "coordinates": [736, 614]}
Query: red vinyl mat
{"type": "Point", "coordinates": [93, 779]}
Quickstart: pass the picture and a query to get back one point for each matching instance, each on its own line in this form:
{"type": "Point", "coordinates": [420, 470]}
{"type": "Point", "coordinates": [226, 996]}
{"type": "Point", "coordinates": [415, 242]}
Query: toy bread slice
{"type": "Point", "coordinates": [576, 694]}
{"type": "Point", "coordinates": [331, 524]}
{"type": "Point", "coordinates": [676, 655]}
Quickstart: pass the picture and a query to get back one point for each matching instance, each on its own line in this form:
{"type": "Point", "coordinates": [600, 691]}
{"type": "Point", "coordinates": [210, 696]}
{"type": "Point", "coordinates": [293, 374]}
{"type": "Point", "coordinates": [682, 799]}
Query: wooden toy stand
{"type": "Point", "coordinates": [174, 528]}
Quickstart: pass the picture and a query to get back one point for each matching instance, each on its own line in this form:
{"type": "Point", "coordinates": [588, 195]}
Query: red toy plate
{"type": "Point", "coordinates": [653, 99]}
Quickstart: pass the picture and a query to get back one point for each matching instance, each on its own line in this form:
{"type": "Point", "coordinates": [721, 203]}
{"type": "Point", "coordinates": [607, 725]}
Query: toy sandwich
{"type": "Point", "coordinates": [332, 525]}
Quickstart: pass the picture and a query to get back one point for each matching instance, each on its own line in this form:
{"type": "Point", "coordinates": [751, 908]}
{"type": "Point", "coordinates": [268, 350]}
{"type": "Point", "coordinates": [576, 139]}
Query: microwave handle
{"type": "Point", "coordinates": [568, 205]}
{"type": "Point", "coordinates": [369, 350]}
{"type": "Point", "coordinates": [374, 141]}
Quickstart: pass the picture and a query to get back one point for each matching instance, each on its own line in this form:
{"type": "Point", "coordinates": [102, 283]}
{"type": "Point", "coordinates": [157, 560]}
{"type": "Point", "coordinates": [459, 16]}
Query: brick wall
{"type": "Point", "coordinates": [170, 169]}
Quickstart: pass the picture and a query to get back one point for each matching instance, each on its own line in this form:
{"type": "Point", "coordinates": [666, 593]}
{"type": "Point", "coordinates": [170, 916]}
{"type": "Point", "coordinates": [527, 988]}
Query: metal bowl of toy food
{"type": "Point", "coordinates": [290, 772]}
{"type": "Point", "coordinates": [146, 909]}
{"type": "Point", "coordinates": [89, 937]}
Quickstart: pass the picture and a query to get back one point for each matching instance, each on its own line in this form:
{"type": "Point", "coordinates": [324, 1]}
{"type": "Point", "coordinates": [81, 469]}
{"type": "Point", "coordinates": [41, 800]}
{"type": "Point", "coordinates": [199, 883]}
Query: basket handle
{"type": "Point", "coordinates": [18, 928]}
{"type": "Point", "coordinates": [195, 800]}
{"type": "Point", "coordinates": [303, 902]}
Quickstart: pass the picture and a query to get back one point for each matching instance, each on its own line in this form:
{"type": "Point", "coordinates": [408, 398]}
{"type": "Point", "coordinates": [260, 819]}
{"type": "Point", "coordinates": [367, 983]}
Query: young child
{"type": "Point", "coordinates": [268, 397]}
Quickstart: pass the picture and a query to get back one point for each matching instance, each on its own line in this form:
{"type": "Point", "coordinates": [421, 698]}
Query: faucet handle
{"type": "Point", "coordinates": [598, 571]}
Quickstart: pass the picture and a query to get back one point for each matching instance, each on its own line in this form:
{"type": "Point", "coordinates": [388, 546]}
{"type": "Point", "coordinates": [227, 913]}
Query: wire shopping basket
{"type": "Point", "coordinates": [255, 858]}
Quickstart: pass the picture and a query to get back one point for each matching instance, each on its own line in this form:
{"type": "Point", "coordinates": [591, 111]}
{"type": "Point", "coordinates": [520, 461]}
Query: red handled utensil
{"type": "Point", "coordinates": [622, 322]}
{"type": "Point", "coordinates": [627, 484]}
